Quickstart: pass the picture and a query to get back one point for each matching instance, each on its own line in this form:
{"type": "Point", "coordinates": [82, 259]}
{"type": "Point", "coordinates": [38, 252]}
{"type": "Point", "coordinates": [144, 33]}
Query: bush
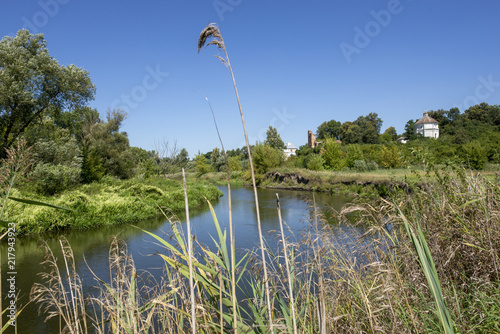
{"type": "Point", "coordinates": [333, 155]}
{"type": "Point", "coordinates": [474, 155]}
{"type": "Point", "coordinates": [390, 156]}
{"type": "Point", "coordinates": [315, 163]}
{"type": "Point", "coordinates": [354, 154]}
{"type": "Point", "coordinates": [50, 179]}
{"type": "Point", "coordinates": [371, 165]}
{"type": "Point", "coordinates": [265, 157]}
{"type": "Point", "coordinates": [234, 163]}
{"type": "Point", "coordinates": [360, 165]}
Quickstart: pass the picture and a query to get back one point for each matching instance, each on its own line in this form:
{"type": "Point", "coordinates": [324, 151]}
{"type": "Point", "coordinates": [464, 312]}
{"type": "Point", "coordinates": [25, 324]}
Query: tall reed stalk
{"type": "Point", "coordinates": [190, 257]}
{"type": "Point", "coordinates": [287, 260]}
{"type": "Point", "coordinates": [212, 31]}
{"type": "Point", "coordinates": [231, 231]}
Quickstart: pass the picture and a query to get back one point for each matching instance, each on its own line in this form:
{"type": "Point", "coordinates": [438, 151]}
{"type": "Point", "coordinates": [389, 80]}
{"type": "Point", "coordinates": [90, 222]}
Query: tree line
{"type": "Point", "coordinates": [45, 104]}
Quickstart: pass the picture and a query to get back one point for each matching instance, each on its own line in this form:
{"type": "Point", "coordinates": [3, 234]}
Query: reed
{"type": "Point", "coordinates": [61, 295]}
{"type": "Point", "coordinates": [361, 274]}
{"type": "Point", "coordinates": [231, 230]}
{"type": "Point", "coordinates": [212, 32]}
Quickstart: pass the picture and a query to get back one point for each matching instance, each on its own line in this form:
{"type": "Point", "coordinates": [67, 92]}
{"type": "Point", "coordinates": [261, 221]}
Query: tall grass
{"type": "Point", "coordinates": [362, 274]}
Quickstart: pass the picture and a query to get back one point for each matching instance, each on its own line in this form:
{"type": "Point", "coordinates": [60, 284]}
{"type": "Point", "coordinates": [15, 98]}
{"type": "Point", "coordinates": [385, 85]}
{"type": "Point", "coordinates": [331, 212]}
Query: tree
{"type": "Point", "coordinates": [389, 135]}
{"type": "Point", "coordinates": [370, 126]}
{"type": "Point", "coordinates": [410, 130]}
{"type": "Point", "coordinates": [330, 129]}
{"type": "Point", "coordinates": [201, 164]}
{"type": "Point", "coordinates": [350, 133]}
{"type": "Point", "coordinates": [33, 84]}
{"type": "Point", "coordinates": [273, 139]}
{"type": "Point", "coordinates": [266, 157]}
{"type": "Point", "coordinates": [217, 160]}
{"type": "Point", "coordinates": [354, 154]}
{"type": "Point", "coordinates": [110, 146]}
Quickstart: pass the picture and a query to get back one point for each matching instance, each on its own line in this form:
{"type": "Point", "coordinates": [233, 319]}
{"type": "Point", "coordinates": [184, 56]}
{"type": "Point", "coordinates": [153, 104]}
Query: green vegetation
{"type": "Point", "coordinates": [110, 201]}
{"type": "Point", "coordinates": [443, 278]}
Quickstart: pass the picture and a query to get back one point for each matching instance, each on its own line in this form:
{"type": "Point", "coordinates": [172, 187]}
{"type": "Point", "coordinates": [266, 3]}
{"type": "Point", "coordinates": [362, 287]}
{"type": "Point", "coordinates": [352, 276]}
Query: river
{"type": "Point", "coordinates": [91, 247]}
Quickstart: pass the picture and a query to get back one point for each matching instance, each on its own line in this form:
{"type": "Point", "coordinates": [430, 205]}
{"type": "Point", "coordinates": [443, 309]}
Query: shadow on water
{"type": "Point", "coordinates": [92, 246]}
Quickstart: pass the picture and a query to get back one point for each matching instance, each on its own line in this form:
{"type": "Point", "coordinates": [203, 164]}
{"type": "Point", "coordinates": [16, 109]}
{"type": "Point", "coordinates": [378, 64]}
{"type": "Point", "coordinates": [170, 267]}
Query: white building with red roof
{"type": "Point", "coordinates": [427, 126]}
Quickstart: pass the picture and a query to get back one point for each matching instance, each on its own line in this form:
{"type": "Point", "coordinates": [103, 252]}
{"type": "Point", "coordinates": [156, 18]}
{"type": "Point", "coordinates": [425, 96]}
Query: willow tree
{"type": "Point", "coordinates": [33, 84]}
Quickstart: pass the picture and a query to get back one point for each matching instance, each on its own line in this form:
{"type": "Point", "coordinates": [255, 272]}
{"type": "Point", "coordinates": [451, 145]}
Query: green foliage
{"type": "Point", "coordinates": [390, 156]}
{"type": "Point", "coordinates": [234, 163]}
{"type": "Point", "coordinates": [265, 158]}
{"type": "Point", "coordinates": [92, 168]}
{"type": "Point", "coordinates": [111, 201]}
{"type": "Point", "coordinates": [333, 155]}
{"type": "Point", "coordinates": [201, 164]}
{"type": "Point", "coordinates": [217, 160]}
{"type": "Point", "coordinates": [350, 133]}
{"type": "Point", "coordinates": [390, 135]}
{"type": "Point", "coordinates": [32, 84]}
{"type": "Point", "coordinates": [410, 130]}
{"type": "Point", "coordinates": [354, 153]}
{"type": "Point", "coordinates": [330, 129]}
{"type": "Point", "coordinates": [474, 155]}
{"type": "Point", "coordinates": [273, 139]}
{"type": "Point", "coordinates": [316, 162]}
{"type": "Point", "coordinates": [51, 179]}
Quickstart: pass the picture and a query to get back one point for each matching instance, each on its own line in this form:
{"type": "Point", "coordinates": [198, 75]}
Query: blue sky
{"type": "Point", "coordinates": [296, 63]}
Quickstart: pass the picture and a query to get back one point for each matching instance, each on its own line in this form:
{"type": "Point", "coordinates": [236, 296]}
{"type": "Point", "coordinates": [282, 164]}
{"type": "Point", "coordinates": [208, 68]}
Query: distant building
{"type": "Point", "coordinates": [311, 140]}
{"type": "Point", "coordinates": [289, 150]}
{"type": "Point", "coordinates": [427, 126]}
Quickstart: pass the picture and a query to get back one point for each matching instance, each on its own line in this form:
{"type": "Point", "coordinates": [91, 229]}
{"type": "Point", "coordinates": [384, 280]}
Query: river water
{"type": "Point", "coordinates": [91, 247]}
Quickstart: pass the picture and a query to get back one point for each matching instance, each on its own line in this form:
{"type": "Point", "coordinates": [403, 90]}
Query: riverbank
{"type": "Point", "coordinates": [350, 183]}
{"type": "Point", "coordinates": [109, 202]}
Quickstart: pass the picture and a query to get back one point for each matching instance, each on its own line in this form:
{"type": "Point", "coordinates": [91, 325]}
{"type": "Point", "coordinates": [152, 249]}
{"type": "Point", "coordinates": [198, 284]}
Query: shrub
{"type": "Point", "coordinates": [371, 165]}
{"type": "Point", "coordinates": [265, 158]}
{"type": "Point", "coordinates": [234, 163]}
{"type": "Point", "coordinates": [333, 155]}
{"type": "Point", "coordinates": [50, 179]}
{"type": "Point", "coordinates": [474, 155]}
{"type": "Point", "coordinates": [390, 156]}
{"type": "Point", "coordinates": [315, 163]}
{"type": "Point", "coordinates": [360, 165]}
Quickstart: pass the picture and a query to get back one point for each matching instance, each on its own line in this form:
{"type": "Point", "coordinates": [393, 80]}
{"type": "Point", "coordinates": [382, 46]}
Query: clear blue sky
{"type": "Point", "coordinates": [297, 63]}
